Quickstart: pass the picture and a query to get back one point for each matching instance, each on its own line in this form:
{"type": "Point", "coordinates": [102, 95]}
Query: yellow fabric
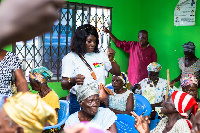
{"type": "Point", "coordinates": [29, 111]}
{"type": "Point", "coordinates": [52, 100]}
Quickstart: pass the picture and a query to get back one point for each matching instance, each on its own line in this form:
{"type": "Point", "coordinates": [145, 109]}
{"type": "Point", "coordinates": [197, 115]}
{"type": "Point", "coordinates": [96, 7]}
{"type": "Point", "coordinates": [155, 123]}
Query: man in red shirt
{"type": "Point", "coordinates": [141, 55]}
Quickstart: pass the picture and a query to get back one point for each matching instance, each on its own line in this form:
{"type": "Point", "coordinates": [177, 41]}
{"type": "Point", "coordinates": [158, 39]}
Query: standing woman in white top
{"type": "Point", "coordinates": [75, 72]}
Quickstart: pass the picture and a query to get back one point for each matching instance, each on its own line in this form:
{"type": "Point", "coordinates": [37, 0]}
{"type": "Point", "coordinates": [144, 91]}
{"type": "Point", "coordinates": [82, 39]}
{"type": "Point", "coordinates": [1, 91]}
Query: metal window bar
{"type": "Point", "coordinates": [49, 49]}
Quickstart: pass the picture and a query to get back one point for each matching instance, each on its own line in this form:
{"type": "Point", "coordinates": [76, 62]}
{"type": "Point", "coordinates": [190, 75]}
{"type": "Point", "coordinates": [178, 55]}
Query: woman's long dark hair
{"type": "Point", "coordinates": [79, 39]}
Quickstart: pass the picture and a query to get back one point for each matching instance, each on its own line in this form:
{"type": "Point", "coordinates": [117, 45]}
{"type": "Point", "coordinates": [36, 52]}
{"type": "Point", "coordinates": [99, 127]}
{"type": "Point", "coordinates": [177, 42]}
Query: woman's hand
{"type": "Point", "coordinates": [79, 79]}
{"type": "Point", "coordinates": [141, 123]}
{"type": "Point", "coordinates": [106, 30]}
{"type": "Point", "coordinates": [137, 86]}
{"type": "Point", "coordinates": [111, 54]}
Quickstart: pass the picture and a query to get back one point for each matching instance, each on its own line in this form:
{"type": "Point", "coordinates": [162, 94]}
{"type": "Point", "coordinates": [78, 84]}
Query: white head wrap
{"type": "Point", "coordinates": [84, 91]}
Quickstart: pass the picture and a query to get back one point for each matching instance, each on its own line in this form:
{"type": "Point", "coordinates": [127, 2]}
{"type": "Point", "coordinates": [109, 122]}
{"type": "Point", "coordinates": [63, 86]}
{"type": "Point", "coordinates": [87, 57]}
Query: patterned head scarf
{"type": "Point", "coordinates": [183, 102]}
{"type": "Point", "coordinates": [124, 79]}
{"type": "Point", "coordinates": [41, 74]}
{"type": "Point", "coordinates": [84, 91]}
{"type": "Point", "coordinates": [29, 111]}
{"type": "Point", "coordinates": [154, 66]}
{"type": "Point", "coordinates": [189, 47]}
{"type": "Point", "coordinates": [188, 80]}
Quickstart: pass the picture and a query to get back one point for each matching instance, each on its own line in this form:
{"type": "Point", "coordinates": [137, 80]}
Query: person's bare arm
{"type": "Point", "coordinates": [173, 82]}
{"type": "Point", "coordinates": [20, 80]}
{"type": "Point", "coordinates": [22, 20]}
{"type": "Point", "coordinates": [114, 39]}
{"type": "Point", "coordinates": [113, 128]}
{"type": "Point", "coordinates": [115, 70]}
{"type": "Point", "coordinates": [66, 85]}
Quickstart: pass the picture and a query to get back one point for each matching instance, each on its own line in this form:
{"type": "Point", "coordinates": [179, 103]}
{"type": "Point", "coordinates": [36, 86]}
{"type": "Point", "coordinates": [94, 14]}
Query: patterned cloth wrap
{"type": "Point", "coordinates": [154, 67]}
{"type": "Point", "coordinates": [124, 79]}
{"type": "Point", "coordinates": [183, 102]}
{"type": "Point", "coordinates": [41, 74]}
{"type": "Point", "coordinates": [189, 47]}
{"type": "Point", "coordinates": [29, 111]}
{"type": "Point", "coordinates": [188, 80]}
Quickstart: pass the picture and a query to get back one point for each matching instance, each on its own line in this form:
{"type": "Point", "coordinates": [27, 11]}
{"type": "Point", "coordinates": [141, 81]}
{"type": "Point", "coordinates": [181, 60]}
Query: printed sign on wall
{"type": "Point", "coordinates": [184, 13]}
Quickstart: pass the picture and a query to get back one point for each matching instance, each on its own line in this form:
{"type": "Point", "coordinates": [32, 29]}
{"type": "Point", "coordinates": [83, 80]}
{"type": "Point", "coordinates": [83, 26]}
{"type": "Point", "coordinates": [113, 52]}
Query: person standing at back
{"type": "Point", "coordinates": [141, 55]}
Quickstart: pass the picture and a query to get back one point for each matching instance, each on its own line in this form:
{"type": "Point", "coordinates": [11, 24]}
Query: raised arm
{"type": "Point", "coordinates": [173, 82]}
{"type": "Point", "coordinates": [115, 70]}
{"type": "Point", "coordinates": [114, 39]}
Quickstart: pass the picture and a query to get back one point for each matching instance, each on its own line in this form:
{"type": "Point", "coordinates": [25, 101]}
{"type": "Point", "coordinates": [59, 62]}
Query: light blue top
{"type": "Point", "coordinates": [102, 120]}
{"type": "Point", "coordinates": [118, 101]}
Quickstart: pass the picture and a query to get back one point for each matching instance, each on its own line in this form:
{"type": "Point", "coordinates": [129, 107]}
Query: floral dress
{"type": "Point", "coordinates": [193, 69]}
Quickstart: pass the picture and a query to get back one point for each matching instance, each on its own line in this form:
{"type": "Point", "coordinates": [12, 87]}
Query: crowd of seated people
{"type": "Point", "coordinates": [176, 109]}
{"type": "Point", "coordinates": [26, 112]}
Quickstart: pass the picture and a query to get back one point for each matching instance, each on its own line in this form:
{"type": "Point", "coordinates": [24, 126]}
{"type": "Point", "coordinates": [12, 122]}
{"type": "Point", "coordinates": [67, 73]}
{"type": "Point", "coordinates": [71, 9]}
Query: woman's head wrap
{"type": "Point", "coordinates": [41, 74]}
{"type": "Point", "coordinates": [183, 102]}
{"type": "Point", "coordinates": [188, 80]}
{"type": "Point", "coordinates": [189, 47]}
{"type": "Point", "coordinates": [84, 91]}
{"type": "Point", "coordinates": [154, 67]}
{"type": "Point", "coordinates": [124, 79]}
{"type": "Point", "coordinates": [29, 111]}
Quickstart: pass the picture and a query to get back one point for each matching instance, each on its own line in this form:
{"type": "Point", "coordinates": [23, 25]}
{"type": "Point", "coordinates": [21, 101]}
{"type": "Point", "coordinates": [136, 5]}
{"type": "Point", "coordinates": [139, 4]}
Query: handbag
{"type": "Point", "coordinates": [104, 92]}
{"type": "Point", "coordinates": [13, 84]}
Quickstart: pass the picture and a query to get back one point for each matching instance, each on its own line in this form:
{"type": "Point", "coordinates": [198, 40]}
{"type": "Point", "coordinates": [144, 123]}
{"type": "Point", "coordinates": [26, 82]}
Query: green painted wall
{"type": "Point", "coordinates": [157, 18]}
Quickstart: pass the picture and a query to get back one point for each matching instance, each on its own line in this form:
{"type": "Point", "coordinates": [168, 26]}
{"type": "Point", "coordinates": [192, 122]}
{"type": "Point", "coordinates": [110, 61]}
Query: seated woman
{"type": "Point", "coordinates": [102, 118]}
{"type": "Point", "coordinates": [153, 88]}
{"type": "Point", "coordinates": [38, 80]}
{"type": "Point", "coordinates": [176, 108]}
{"type": "Point", "coordinates": [25, 113]}
{"type": "Point", "coordinates": [190, 86]}
{"type": "Point", "coordinates": [122, 101]}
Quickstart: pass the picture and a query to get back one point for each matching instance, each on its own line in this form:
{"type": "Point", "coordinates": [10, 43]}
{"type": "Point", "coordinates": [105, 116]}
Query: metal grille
{"type": "Point", "coordinates": [49, 49]}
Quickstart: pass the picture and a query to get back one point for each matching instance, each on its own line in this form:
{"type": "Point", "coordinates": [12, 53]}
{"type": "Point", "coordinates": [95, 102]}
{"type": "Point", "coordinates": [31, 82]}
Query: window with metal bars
{"type": "Point", "coordinates": [49, 49]}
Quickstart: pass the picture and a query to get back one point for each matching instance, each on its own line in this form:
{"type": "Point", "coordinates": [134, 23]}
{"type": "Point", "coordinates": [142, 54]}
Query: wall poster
{"type": "Point", "coordinates": [184, 13]}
